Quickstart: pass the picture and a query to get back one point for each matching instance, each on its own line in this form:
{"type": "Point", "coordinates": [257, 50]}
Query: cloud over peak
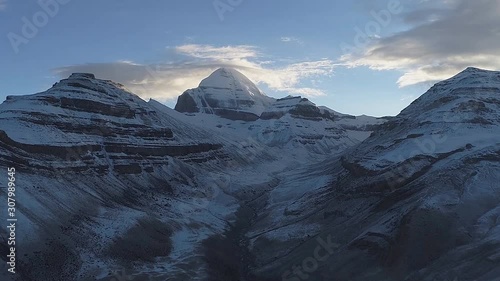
{"type": "Point", "coordinates": [166, 81]}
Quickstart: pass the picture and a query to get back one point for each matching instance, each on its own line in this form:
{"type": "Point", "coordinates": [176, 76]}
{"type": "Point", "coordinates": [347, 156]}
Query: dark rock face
{"type": "Point", "coordinates": [308, 111]}
{"type": "Point", "coordinates": [236, 115]}
{"type": "Point", "coordinates": [161, 150]}
{"type": "Point", "coordinates": [233, 104]}
{"type": "Point", "coordinates": [118, 110]}
{"type": "Point", "coordinates": [272, 115]}
{"type": "Point", "coordinates": [186, 104]}
{"type": "Point", "coordinates": [82, 75]}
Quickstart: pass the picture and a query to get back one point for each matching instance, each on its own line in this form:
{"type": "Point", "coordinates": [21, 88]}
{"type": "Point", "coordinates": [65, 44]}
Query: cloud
{"type": "Point", "coordinates": [287, 39]}
{"type": "Point", "coordinates": [218, 53]}
{"type": "Point", "coordinates": [3, 5]}
{"type": "Point", "coordinates": [286, 79]}
{"type": "Point", "coordinates": [158, 81]}
{"type": "Point", "coordinates": [443, 38]}
{"type": "Point", "coordinates": [166, 81]}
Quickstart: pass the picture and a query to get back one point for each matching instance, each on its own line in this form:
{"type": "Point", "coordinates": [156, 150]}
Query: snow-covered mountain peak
{"type": "Point", "coordinates": [224, 78]}
{"type": "Point", "coordinates": [80, 90]}
{"type": "Point", "coordinates": [471, 91]}
{"type": "Point", "coordinates": [472, 69]}
{"type": "Point", "coordinates": [472, 77]}
{"type": "Point", "coordinates": [458, 114]}
{"type": "Point", "coordinates": [226, 93]}
{"type": "Point", "coordinates": [477, 75]}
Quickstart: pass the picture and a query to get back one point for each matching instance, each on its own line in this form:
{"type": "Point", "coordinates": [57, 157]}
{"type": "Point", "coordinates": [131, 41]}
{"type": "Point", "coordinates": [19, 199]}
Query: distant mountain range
{"type": "Point", "coordinates": [235, 185]}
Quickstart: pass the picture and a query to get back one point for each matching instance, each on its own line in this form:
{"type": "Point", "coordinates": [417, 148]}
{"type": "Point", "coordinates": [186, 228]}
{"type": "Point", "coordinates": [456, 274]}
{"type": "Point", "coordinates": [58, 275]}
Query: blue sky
{"type": "Point", "coordinates": [158, 49]}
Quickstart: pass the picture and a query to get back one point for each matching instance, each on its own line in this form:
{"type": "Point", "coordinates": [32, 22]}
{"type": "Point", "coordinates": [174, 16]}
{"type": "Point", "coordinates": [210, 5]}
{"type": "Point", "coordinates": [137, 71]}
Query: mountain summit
{"type": "Point", "coordinates": [411, 197]}
{"type": "Point", "coordinates": [223, 77]}
{"type": "Point", "coordinates": [226, 93]}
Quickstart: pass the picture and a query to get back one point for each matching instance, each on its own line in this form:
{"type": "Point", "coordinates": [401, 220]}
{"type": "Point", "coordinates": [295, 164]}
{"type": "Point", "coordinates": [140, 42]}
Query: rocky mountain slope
{"type": "Point", "coordinates": [105, 180]}
{"type": "Point", "coordinates": [111, 187]}
{"type": "Point", "coordinates": [417, 200]}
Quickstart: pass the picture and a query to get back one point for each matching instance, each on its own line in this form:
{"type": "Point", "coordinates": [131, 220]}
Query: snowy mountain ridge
{"type": "Point", "coordinates": [291, 122]}
{"type": "Point", "coordinates": [417, 200]}
{"type": "Point", "coordinates": [96, 164]}
{"type": "Point", "coordinates": [110, 183]}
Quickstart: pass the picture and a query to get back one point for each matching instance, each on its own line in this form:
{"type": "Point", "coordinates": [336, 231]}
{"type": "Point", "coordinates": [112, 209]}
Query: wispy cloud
{"type": "Point", "coordinates": [3, 5]}
{"type": "Point", "coordinates": [443, 38]}
{"type": "Point", "coordinates": [287, 39]}
{"type": "Point", "coordinates": [165, 81]}
{"type": "Point", "coordinates": [218, 53]}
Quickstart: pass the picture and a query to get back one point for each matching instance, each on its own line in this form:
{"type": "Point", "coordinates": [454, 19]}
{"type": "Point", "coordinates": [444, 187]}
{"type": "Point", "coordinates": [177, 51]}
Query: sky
{"type": "Point", "coordinates": [370, 57]}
